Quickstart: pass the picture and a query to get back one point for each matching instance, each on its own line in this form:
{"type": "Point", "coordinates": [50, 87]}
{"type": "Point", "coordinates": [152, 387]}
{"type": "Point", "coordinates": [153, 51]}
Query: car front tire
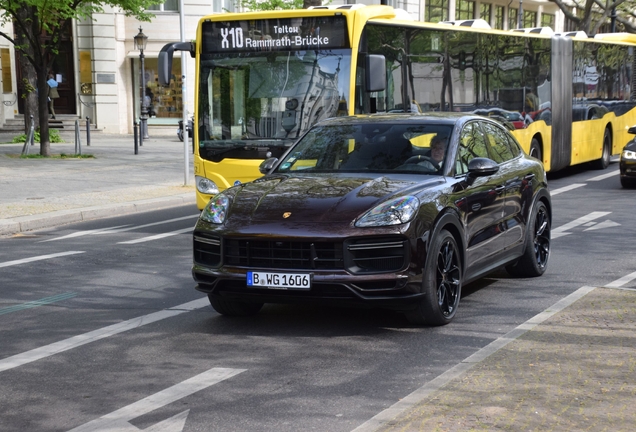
{"type": "Point", "coordinates": [441, 283]}
{"type": "Point", "coordinates": [534, 261]}
{"type": "Point", "coordinates": [233, 307]}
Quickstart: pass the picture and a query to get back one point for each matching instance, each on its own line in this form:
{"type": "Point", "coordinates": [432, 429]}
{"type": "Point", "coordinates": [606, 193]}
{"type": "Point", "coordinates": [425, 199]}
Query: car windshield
{"type": "Point", "coordinates": [363, 147]}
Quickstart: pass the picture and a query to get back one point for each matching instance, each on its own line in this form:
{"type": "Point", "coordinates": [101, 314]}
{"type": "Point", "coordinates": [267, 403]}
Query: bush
{"type": "Point", "coordinates": [54, 137]}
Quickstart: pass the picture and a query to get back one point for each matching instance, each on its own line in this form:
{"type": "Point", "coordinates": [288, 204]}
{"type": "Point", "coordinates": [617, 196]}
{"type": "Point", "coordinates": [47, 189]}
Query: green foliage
{"type": "Point", "coordinates": [265, 5]}
{"type": "Point", "coordinates": [54, 137]}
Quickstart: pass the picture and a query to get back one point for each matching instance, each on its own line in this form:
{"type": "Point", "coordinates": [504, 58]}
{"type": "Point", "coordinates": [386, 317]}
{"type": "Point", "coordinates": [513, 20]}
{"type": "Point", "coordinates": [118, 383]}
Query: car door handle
{"type": "Point", "coordinates": [500, 189]}
{"type": "Point", "coordinates": [529, 177]}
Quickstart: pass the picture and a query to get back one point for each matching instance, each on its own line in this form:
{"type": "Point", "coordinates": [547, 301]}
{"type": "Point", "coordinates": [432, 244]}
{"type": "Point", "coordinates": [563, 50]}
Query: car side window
{"type": "Point", "coordinates": [472, 144]}
{"type": "Point", "coordinates": [502, 147]}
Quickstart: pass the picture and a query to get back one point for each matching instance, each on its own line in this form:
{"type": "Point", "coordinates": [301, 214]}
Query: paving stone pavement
{"type": "Point", "coordinates": [37, 193]}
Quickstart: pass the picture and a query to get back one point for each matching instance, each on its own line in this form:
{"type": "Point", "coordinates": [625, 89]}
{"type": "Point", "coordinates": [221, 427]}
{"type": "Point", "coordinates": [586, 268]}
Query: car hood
{"type": "Point", "coordinates": [631, 145]}
{"type": "Point", "coordinates": [318, 199]}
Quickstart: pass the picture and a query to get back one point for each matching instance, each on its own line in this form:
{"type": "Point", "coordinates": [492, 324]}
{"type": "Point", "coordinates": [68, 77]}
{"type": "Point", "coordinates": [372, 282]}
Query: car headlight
{"type": "Point", "coordinates": [216, 210]}
{"type": "Point", "coordinates": [628, 154]}
{"type": "Point", "coordinates": [206, 186]}
{"type": "Point", "coordinates": [395, 212]}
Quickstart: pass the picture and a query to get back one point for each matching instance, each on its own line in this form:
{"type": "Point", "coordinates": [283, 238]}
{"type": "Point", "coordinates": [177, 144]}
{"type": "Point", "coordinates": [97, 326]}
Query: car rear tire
{"type": "Point", "coordinates": [534, 261]}
{"type": "Point", "coordinates": [233, 307]}
{"type": "Point", "coordinates": [604, 161]}
{"type": "Point", "coordinates": [441, 283]}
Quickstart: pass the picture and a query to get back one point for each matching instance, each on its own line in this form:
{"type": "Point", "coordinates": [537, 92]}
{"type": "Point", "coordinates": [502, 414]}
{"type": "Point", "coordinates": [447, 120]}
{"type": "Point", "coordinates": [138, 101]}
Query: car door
{"type": "Point", "coordinates": [516, 175]}
{"type": "Point", "coordinates": [480, 203]}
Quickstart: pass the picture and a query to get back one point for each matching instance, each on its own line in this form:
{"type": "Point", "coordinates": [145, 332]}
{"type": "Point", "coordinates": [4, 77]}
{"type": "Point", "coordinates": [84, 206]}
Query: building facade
{"type": "Point", "coordinates": [99, 70]}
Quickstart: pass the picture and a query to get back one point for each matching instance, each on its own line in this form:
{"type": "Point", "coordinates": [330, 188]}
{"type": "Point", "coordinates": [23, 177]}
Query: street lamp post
{"type": "Point", "coordinates": [140, 43]}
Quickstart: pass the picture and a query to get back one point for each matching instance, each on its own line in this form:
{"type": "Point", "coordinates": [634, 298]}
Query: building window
{"type": "Point", "coordinates": [220, 6]}
{"type": "Point", "coordinates": [168, 6]}
{"type": "Point", "coordinates": [512, 18]}
{"type": "Point", "coordinates": [485, 10]}
{"type": "Point", "coordinates": [499, 17]}
{"type": "Point", "coordinates": [547, 20]}
{"type": "Point", "coordinates": [436, 11]}
{"type": "Point", "coordinates": [7, 78]}
{"type": "Point", "coordinates": [465, 10]}
{"type": "Point", "coordinates": [529, 19]}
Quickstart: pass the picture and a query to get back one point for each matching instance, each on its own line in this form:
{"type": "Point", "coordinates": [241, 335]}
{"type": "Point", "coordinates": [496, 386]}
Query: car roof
{"type": "Point", "coordinates": [448, 118]}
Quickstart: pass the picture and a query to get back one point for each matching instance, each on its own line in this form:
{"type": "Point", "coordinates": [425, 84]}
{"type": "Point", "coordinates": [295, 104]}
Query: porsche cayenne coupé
{"type": "Point", "coordinates": [393, 211]}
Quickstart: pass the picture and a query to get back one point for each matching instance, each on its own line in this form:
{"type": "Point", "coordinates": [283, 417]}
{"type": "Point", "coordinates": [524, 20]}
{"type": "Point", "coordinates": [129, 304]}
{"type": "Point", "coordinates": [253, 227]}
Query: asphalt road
{"type": "Point", "coordinates": [106, 332]}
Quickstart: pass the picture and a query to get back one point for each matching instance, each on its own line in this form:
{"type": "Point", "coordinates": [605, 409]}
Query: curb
{"type": "Point", "coordinates": [63, 217]}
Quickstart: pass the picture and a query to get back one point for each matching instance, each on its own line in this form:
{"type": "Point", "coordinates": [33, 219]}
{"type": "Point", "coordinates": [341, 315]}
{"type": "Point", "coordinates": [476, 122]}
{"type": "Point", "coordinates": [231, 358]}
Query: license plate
{"type": "Point", "coordinates": [279, 280]}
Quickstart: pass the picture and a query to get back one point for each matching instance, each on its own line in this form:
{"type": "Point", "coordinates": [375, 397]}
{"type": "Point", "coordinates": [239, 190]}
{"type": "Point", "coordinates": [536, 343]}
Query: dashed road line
{"type": "Point", "coordinates": [38, 258]}
{"type": "Point", "coordinates": [604, 176]}
{"type": "Point", "coordinates": [95, 335]}
{"type": "Point", "coordinates": [567, 188]}
{"type": "Point", "coordinates": [157, 236]}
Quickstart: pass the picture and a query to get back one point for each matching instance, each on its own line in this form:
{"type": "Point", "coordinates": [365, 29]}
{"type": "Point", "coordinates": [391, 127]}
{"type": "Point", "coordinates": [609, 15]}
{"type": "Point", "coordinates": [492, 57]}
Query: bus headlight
{"type": "Point", "coordinates": [206, 186]}
{"type": "Point", "coordinates": [628, 154]}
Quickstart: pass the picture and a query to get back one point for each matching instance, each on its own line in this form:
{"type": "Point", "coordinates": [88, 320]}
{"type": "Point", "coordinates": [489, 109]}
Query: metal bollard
{"type": "Point", "coordinates": [136, 137]}
{"type": "Point", "coordinates": [88, 131]}
{"type": "Point", "coordinates": [29, 139]}
{"type": "Point", "coordinates": [78, 142]}
{"type": "Point", "coordinates": [141, 134]}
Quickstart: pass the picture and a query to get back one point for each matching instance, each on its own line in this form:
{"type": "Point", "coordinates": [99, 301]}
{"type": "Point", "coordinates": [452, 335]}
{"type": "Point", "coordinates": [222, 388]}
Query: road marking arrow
{"type": "Point", "coordinates": [601, 225]}
{"type": "Point", "coordinates": [118, 421]}
{"type": "Point", "coordinates": [560, 231]}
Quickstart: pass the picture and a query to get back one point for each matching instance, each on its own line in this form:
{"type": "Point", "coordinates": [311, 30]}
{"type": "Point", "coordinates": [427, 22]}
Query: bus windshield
{"type": "Point", "coordinates": [268, 98]}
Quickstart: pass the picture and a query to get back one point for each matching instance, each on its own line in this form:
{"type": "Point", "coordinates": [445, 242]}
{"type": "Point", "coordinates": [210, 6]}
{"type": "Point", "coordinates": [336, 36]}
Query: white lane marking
{"type": "Point", "coordinates": [37, 303]}
{"type": "Point", "coordinates": [150, 224]}
{"type": "Point", "coordinates": [82, 233]}
{"type": "Point", "coordinates": [604, 176]}
{"type": "Point", "coordinates": [622, 281]}
{"type": "Point", "coordinates": [604, 224]}
{"type": "Point", "coordinates": [567, 188]}
{"type": "Point", "coordinates": [38, 258]}
{"type": "Point", "coordinates": [117, 421]}
{"type": "Point", "coordinates": [408, 402]}
{"type": "Point", "coordinates": [157, 236]}
{"type": "Point", "coordinates": [560, 231]}
{"type": "Point", "coordinates": [95, 335]}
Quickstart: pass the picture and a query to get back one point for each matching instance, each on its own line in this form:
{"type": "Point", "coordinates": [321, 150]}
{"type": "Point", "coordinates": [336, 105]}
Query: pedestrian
{"type": "Point", "coordinates": [53, 94]}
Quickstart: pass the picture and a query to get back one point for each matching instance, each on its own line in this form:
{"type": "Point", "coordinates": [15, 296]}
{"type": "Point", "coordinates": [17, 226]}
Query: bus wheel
{"type": "Point", "coordinates": [604, 161]}
{"type": "Point", "coordinates": [535, 149]}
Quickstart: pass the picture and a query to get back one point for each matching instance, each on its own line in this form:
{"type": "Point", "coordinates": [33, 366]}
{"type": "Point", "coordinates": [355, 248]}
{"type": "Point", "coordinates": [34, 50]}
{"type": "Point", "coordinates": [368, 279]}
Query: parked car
{"type": "Point", "coordinates": [513, 117]}
{"type": "Point", "coordinates": [361, 211]}
{"type": "Point", "coordinates": [627, 164]}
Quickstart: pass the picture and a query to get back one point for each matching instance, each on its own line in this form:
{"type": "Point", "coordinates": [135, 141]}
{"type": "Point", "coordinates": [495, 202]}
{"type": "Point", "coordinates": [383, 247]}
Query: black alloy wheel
{"type": "Point", "coordinates": [534, 261]}
{"type": "Point", "coordinates": [441, 283]}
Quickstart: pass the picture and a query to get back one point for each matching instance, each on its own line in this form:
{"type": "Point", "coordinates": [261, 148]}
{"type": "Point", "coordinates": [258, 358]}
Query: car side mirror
{"type": "Point", "coordinates": [267, 165]}
{"type": "Point", "coordinates": [481, 167]}
{"type": "Point", "coordinates": [632, 130]}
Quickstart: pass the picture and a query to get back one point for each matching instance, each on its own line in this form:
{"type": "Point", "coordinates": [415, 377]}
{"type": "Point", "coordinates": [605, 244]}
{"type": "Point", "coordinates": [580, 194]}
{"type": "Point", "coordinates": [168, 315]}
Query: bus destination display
{"type": "Point", "coordinates": [275, 34]}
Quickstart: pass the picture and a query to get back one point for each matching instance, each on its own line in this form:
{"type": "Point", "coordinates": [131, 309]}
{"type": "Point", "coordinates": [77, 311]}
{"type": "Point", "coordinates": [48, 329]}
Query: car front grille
{"type": "Point", "coordinates": [277, 254]}
{"type": "Point", "coordinates": [377, 255]}
{"type": "Point", "coordinates": [358, 256]}
{"type": "Point", "coordinates": [207, 249]}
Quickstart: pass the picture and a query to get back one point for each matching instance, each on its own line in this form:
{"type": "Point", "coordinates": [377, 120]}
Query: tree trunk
{"type": "Point", "coordinates": [29, 76]}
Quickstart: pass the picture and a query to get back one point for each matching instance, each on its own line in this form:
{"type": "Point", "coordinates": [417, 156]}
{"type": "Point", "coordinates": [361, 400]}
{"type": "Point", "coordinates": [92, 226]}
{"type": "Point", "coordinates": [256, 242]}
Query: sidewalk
{"type": "Point", "coordinates": [571, 368]}
{"type": "Point", "coordinates": [39, 193]}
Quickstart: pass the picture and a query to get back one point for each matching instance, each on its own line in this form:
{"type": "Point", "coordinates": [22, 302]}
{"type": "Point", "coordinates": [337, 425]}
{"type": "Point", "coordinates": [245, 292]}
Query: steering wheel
{"type": "Point", "coordinates": [420, 158]}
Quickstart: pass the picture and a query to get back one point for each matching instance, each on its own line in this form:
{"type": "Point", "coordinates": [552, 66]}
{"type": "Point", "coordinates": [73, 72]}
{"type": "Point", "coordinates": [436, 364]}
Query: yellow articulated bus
{"type": "Point", "coordinates": [264, 78]}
